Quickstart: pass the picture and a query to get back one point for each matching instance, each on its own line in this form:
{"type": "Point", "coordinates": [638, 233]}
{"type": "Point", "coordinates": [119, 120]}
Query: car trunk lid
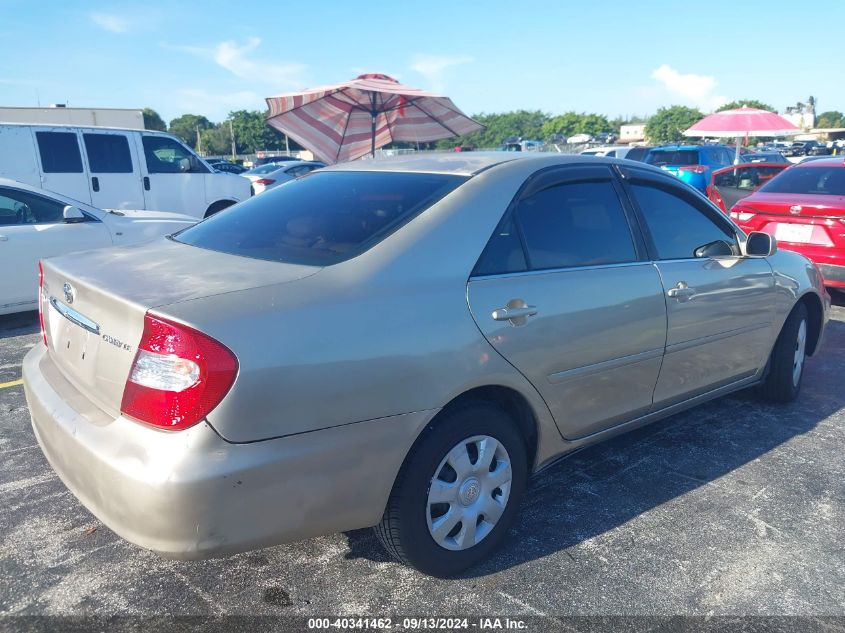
{"type": "Point", "coordinates": [94, 303]}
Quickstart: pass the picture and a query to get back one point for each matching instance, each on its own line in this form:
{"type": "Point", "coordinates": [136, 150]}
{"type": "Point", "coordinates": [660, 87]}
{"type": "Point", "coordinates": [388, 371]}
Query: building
{"type": "Point", "coordinates": [87, 117]}
{"type": "Point", "coordinates": [632, 133]}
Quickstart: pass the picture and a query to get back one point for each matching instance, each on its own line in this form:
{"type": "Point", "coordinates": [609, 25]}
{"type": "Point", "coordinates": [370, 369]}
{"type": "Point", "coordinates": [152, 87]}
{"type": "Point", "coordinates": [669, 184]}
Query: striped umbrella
{"type": "Point", "coordinates": [346, 121]}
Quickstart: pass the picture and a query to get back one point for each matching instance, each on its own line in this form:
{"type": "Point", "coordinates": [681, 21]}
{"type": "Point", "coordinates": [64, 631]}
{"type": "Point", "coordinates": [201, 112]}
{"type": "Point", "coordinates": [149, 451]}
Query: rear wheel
{"type": "Point", "coordinates": [457, 492]}
{"type": "Point", "coordinates": [218, 206]}
{"type": "Point", "coordinates": [786, 365]}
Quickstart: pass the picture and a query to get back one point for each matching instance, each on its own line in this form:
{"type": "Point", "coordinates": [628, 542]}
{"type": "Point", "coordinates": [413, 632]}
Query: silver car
{"type": "Point", "coordinates": [400, 344]}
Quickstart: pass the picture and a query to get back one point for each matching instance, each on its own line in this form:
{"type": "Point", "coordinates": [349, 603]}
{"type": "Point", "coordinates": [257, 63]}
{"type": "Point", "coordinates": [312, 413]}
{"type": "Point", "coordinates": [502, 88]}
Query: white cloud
{"type": "Point", "coordinates": [697, 90]}
{"type": "Point", "coordinates": [239, 61]}
{"type": "Point", "coordinates": [110, 22]}
{"type": "Point", "coordinates": [434, 67]}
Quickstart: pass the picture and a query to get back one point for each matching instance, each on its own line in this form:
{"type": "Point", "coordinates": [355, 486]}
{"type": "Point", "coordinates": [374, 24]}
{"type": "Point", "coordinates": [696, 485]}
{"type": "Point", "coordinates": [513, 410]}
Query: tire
{"type": "Point", "coordinates": [786, 364]}
{"type": "Point", "coordinates": [406, 529]}
{"type": "Point", "coordinates": [217, 207]}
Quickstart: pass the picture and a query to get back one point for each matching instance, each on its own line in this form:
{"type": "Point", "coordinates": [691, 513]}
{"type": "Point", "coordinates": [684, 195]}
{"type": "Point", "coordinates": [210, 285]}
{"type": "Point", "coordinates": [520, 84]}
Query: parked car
{"type": "Point", "coordinates": [731, 184]}
{"type": "Point", "coordinates": [638, 152]}
{"type": "Point", "coordinates": [818, 149]}
{"type": "Point", "coordinates": [277, 158]}
{"type": "Point", "coordinates": [804, 208]}
{"type": "Point", "coordinates": [579, 139]}
{"type": "Point", "coordinates": [606, 138]}
{"type": "Point", "coordinates": [111, 168]}
{"type": "Point", "coordinates": [802, 148]}
{"type": "Point", "coordinates": [764, 157]}
{"type": "Point", "coordinates": [282, 173]}
{"type": "Point", "coordinates": [691, 163]}
{"type": "Point", "coordinates": [226, 167]}
{"type": "Point", "coordinates": [36, 224]}
{"type": "Point", "coordinates": [612, 151]}
{"type": "Point", "coordinates": [373, 345]}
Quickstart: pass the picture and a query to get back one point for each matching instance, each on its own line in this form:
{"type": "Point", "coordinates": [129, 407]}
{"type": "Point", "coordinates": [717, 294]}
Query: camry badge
{"type": "Point", "coordinates": [795, 209]}
{"type": "Point", "coordinates": [69, 292]}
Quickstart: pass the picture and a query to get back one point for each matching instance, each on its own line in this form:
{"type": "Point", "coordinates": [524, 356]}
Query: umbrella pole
{"type": "Point", "coordinates": [373, 146]}
{"type": "Point", "coordinates": [736, 158]}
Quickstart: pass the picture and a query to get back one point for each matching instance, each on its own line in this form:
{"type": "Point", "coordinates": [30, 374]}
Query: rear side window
{"type": "Point", "coordinates": [108, 153]}
{"type": "Point", "coordinates": [59, 152]}
{"type": "Point", "coordinates": [672, 157]}
{"type": "Point", "coordinates": [575, 224]}
{"type": "Point", "coordinates": [828, 181]}
{"type": "Point", "coordinates": [323, 219]}
{"type": "Point", "coordinates": [677, 227]}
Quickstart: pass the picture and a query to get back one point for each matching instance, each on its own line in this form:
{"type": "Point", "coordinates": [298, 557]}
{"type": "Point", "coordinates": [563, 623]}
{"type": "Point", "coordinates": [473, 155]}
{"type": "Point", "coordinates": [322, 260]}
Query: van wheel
{"type": "Point", "coordinates": [457, 493]}
{"type": "Point", "coordinates": [786, 365]}
{"type": "Point", "coordinates": [217, 207]}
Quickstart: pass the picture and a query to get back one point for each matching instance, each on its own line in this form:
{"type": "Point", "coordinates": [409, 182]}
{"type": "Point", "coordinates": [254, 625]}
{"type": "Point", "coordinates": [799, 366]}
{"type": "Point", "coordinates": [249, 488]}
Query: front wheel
{"type": "Point", "coordinates": [786, 365]}
{"type": "Point", "coordinates": [458, 491]}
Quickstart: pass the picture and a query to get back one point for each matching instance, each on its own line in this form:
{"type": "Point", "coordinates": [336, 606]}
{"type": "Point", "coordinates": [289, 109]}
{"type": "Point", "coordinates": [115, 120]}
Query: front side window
{"type": "Point", "coordinates": [165, 155]}
{"type": "Point", "coordinates": [321, 220]}
{"type": "Point", "coordinates": [575, 224]}
{"type": "Point", "coordinates": [677, 227]}
{"type": "Point", "coordinates": [22, 207]}
{"type": "Point", "coordinates": [59, 152]}
{"type": "Point", "coordinates": [108, 153]}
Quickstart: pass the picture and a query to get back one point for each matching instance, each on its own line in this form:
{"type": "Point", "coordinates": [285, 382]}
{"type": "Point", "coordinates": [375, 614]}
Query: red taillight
{"type": "Point", "coordinates": [742, 214]}
{"type": "Point", "coordinates": [179, 375]}
{"type": "Point", "coordinates": [40, 297]}
{"type": "Point", "coordinates": [696, 169]}
{"type": "Point", "coordinates": [264, 181]}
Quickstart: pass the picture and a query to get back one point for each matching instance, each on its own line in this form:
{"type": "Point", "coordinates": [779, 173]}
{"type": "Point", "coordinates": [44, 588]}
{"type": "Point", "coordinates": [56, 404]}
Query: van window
{"type": "Point", "coordinates": [59, 152]}
{"type": "Point", "coordinates": [108, 153]}
{"type": "Point", "coordinates": [166, 156]}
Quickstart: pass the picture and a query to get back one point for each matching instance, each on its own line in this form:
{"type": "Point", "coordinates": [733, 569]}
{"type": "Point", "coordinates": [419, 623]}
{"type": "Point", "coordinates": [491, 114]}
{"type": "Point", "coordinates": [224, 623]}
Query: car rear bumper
{"type": "Point", "coordinates": [833, 275]}
{"type": "Point", "coordinates": [190, 494]}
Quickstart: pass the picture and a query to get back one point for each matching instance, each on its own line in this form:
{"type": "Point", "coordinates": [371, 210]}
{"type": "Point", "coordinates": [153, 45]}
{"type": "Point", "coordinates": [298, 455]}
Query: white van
{"type": "Point", "coordinates": [114, 168]}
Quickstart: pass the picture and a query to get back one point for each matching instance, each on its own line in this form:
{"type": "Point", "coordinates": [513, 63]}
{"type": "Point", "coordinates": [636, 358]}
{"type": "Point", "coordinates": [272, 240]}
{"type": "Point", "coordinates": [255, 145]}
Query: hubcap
{"type": "Point", "coordinates": [468, 492]}
{"type": "Point", "coordinates": [800, 350]}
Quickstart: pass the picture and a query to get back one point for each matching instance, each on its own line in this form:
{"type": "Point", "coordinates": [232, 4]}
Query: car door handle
{"type": "Point", "coordinates": [95, 183]}
{"type": "Point", "coordinates": [146, 183]}
{"type": "Point", "coordinates": [682, 292]}
{"type": "Point", "coordinates": [510, 314]}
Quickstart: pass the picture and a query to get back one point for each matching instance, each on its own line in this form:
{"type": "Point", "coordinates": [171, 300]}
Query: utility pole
{"type": "Point", "coordinates": [199, 141]}
{"type": "Point", "coordinates": [287, 147]}
{"type": "Point", "coordinates": [232, 134]}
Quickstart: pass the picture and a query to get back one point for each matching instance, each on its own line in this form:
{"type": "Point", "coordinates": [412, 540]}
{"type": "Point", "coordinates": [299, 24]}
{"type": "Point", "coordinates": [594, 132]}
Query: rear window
{"type": "Point", "coordinates": [828, 181]}
{"type": "Point", "coordinates": [322, 219]}
{"type": "Point", "coordinates": [672, 157]}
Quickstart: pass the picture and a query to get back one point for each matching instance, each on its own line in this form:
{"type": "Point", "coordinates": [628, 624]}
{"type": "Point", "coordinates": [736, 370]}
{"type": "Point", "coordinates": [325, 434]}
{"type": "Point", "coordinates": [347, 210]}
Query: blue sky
{"type": "Point", "coordinates": [612, 57]}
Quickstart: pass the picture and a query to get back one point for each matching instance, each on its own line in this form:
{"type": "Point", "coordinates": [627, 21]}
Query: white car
{"type": "Point", "coordinates": [274, 174]}
{"type": "Point", "coordinates": [579, 138]}
{"type": "Point", "coordinates": [611, 151]}
{"type": "Point", "coordinates": [35, 224]}
{"type": "Point", "coordinates": [114, 168]}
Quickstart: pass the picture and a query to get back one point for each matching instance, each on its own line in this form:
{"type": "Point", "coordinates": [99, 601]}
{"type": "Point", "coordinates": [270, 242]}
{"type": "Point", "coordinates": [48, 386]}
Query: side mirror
{"type": "Point", "coordinates": [72, 214]}
{"type": "Point", "coordinates": [760, 244]}
{"type": "Point", "coordinates": [719, 248]}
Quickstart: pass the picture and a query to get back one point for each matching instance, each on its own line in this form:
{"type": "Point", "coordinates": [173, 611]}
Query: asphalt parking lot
{"type": "Point", "coordinates": [734, 508]}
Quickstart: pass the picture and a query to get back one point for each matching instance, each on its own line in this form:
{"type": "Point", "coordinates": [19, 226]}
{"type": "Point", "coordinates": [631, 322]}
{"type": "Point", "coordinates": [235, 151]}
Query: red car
{"type": "Point", "coordinates": [804, 208]}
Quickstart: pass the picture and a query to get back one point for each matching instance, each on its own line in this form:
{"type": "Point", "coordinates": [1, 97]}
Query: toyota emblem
{"type": "Point", "coordinates": [68, 290]}
{"type": "Point", "coordinates": [795, 209]}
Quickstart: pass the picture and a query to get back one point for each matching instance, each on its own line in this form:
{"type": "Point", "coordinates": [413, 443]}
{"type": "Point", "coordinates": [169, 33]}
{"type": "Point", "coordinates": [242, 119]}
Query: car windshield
{"type": "Point", "coordinates": [672, 157]}
{"type": "Point", "coordinates": [322, 219]}
{"type": "Point", "coordinates": [828, 181]}
{"type": "Point", "coordinates": [262, 169]}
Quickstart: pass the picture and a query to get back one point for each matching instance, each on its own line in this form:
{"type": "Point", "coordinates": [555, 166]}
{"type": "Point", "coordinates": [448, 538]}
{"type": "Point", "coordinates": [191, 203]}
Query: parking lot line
{"type": "Point", "coordinates": [12, 383]}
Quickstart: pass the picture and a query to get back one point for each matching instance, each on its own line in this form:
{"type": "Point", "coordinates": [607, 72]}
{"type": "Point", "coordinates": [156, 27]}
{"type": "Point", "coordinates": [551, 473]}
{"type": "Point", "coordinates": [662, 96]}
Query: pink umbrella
{"type": "Point", "coordinates": [346, 121]}
{"type": "Point", "coordinates": [742, 122]}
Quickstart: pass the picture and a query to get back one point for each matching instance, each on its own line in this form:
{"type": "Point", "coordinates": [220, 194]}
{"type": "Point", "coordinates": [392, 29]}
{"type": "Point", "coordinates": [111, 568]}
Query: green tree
{"type": "Point", "coordinates": [499, 126]}
{"type": "Point", "coordinates": [152, 120]}
{"type": "Point", "coordinates": [185, 127]}
{"type": "Point", "coordinates": [572, 123]}
{"type": "Point", "coordinates": [216, 140]}
{"type": "Point", "coordinates": [749, 103]}
{"type": "Point", "coordinates": [252, 133]}
{"type": "Point", "coordinates": [668, 124]}
{"type": "Point", "coordinates": [832, 118]}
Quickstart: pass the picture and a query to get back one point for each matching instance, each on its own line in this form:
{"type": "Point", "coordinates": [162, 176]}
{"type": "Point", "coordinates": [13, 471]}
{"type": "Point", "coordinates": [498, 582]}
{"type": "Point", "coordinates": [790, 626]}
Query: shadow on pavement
{"type": "Point", "coordinates": [19, 324]}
